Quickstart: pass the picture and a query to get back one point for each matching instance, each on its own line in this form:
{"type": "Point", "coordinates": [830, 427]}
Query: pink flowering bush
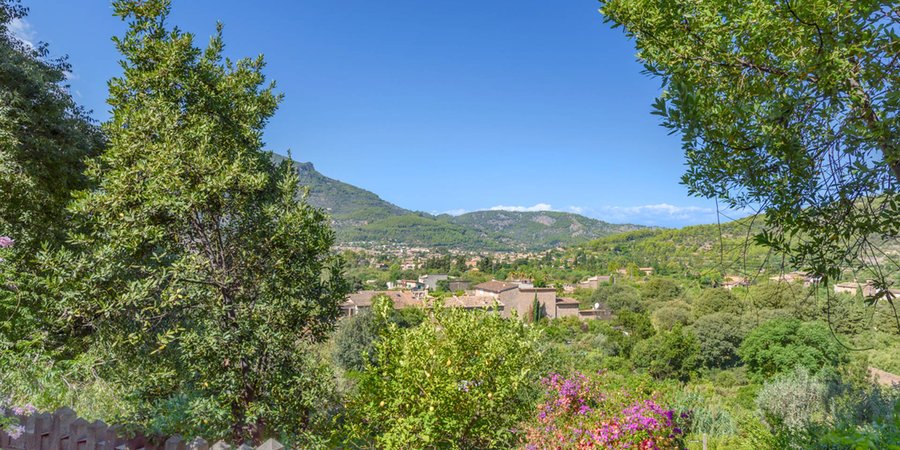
{"type": "Point", "coordinates": [11, 425]}
{"type": "Point", "coordinates": [582, 413]}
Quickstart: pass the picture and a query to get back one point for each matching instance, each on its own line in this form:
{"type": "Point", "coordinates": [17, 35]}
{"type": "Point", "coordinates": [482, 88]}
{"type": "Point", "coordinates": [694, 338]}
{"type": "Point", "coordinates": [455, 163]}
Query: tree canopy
{"type": "Point", "coordinates": [196, 259]}
{"type": "Point", "coordinates": [785, 107]}
{"type": "Point", "coordinates": [44, 139]}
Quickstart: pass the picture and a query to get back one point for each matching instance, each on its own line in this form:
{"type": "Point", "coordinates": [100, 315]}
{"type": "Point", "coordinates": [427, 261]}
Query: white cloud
{"type": "Point", "coordinates": [537, 207]}
{"type": "Point", "coordinates": [455, 212]}
{"type": "Point", "coordinates": [665, 214]}
{"type": "Point", "coordinates": [21, 29]}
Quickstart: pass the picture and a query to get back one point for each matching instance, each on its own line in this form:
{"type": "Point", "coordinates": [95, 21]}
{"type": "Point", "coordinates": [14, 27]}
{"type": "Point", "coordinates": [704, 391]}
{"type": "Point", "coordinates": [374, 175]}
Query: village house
{"type": "Point", "coordinates": [566, 307]}
{"type": "Point", "coordinates": [455, 285]}
{"type": "Point", "coordinates": [598, 312]}
{"type": "Point", "coordinates": [475, 302]}
{"type": "Point", "coordinates": [430, 281]}
{"type": "Point", "coordinates": [733, 281]}
{"type": "Point", "coordinates": [506, 298]}
{"type": "Point", "coordinates": [646, 270]}
{"type": "Point", "coordinates": [519, 298]}
{"type": "Point", "coordinates": [594, 282]}
{"type": "Point", "coordinates": [362, 301]}
{"type": "Point", "coordinates": [795, 277]}
{"type": "Point", "coordinates": [868, 289]}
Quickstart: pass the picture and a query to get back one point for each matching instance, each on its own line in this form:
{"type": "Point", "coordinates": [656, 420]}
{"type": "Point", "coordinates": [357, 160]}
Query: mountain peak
{"type": "Point", "coordinates": [362, 217]}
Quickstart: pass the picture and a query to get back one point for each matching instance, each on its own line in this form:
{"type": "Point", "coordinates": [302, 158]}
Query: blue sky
{"type": "Point", "coordinates": [438, 106]}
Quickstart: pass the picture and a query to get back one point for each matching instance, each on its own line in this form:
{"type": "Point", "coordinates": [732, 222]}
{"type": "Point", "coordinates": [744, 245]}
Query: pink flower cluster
{"type": "Point", "coordinates": [581, 413]}
{"type": "Point", "coordinates": [6, 242]}
{"type": "Point", "coordinates": [26, 410]}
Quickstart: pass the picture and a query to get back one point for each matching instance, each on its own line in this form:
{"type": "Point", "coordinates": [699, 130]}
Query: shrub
{"type": "Point", "coordinates": [772, 295]}
{"type": "Point", "coordinates": [666, 317]}
{"type": "Point", "coordinates": [719, 336]}
{"type": "Point", "coordinates": [671, 354]}
{"type": "Point", "coordinates": [826, 412]}
{"type": "Point", "coordinates": [793, 401]}
{"type": "Point", "coordinates": [461, 379]}
{"type": "Point", "coordinates": [660, 290]}
{"type": "Point", "coordinates": [716, 300]}
{"type": "Point", "coordinates": [581, 412]}
{"type": "Point", "coordinates": [781, 344]}
{"type": "Point", "coordinates": [354, 342]}
{"type": "Point", "coordinates": [617, 297]}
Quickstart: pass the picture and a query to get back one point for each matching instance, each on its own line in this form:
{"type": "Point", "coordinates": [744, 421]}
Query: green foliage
{"type": "Point", "coordinates": [667, 316]}
{"type": "Point", "coordinates": [816, 411]}
{"type": "Point", "coordinates": [636, 324]}
{"type": "Point", "coordinates": [660, 289]}
{"type": "Point", "coordinates": [48, 382]}
{"type": "Point", "coordinates": [793, 400]}
{"type": "Point", "coordinates": [461, 379]}
{"type": "Point", "coordinates": [669, 354]}
{"type": "Point", "coordinates": [719, 335]}
{"type": "Point", "coordinates": [193, 259]}
{"type": "Point", "coordinates": [789, 105]}
{"type": "Point", "coordinates": [779, 345]}
{"type": "Point", "coordinates": [716, 301]}
{"type": "Point", "coordinates": [44, 139]}
{"type": "Point", "coordinates": [617, 297]}
{"type": "Point", "coordinates": [354, 342]}
{"type": "Point", "coordinates": [772, 296]}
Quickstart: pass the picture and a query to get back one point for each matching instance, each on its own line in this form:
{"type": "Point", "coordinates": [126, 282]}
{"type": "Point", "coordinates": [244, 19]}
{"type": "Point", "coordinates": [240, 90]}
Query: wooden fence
{"type": "Point", "coordinates": [63, 430]}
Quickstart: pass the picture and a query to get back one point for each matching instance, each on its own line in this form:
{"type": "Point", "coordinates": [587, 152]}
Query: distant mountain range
{"type": "Point", "coordinates": [360, 216]}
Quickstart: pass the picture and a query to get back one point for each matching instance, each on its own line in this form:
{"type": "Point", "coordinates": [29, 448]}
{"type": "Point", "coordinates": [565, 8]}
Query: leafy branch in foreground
{"type": "Point", "coordinates": [787, 107]}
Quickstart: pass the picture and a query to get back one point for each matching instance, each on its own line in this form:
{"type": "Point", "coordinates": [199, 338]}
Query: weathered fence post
{"type": "Point", "coordinates": [221, 445]}
{"type": "Point", "coordinates": [63, 430]}
{"type": "Point", "coordinates": [198, 444]}
{"type": "Point", "coordinates": [271, 444]}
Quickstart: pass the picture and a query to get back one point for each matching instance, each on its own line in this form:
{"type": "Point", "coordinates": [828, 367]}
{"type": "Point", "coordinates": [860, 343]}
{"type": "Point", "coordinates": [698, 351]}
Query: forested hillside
{"type": "Point", "coordinates": [362, 217]}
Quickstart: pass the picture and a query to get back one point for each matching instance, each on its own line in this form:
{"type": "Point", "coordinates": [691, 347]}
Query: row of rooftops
{"type": "Point", "coordinates": [407, 299]}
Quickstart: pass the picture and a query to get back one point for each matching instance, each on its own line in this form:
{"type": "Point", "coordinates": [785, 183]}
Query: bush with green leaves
{"type": "Point", "coordinates": [660, 289]}
{"type": "Point", "coordinates": [772, 295]}
{"type": "Point", "coordinates": [720, 336]}
{"type": "Point", "coordinates": [45, 139]}
{"type": "Point", "coordinates": [354, 341]}
{"type": "Point", "coordinates": [670, 314]}
{"type": "Point", "coordinates": [824, 411]}
{"type": "Point", "coordinates": [671, 354]}
{"type": "Point", "coordinates": [715, 301]}
{"type": "Point", "coordinates": [617, 297]}
{"type": "Point", "coordinates": [460, 379]}
{"type": "Point", "coordinates": [779, 345]}
{"type": "Point", "coordinates": [794, 400]}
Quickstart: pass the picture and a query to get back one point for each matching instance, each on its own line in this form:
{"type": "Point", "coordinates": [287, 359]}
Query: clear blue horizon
{"type": "Point", "coordinates": [434, 106]}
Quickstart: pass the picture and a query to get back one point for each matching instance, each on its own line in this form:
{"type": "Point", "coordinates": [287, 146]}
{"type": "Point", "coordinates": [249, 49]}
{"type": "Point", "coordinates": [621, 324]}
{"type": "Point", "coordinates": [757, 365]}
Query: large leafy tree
{"type": "Point", "coordinates": [44, 138]}
{"type": "Point", "coordinates": [779, 345]}
{"type": "Point", "coordinates": [785, 106]}
{"type": "Point", "coordinates": [198, 268]}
